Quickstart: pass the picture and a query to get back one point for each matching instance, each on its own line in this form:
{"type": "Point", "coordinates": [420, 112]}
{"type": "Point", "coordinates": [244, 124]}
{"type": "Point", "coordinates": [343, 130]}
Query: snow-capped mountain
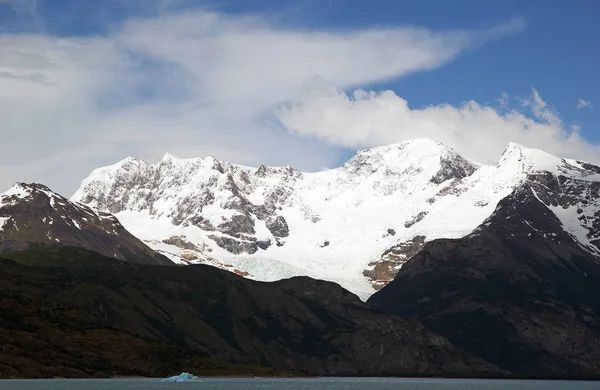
{"type": "Point", "coordinates": [355, 225]}
{"type": "Point", "coordinates": [31, 215]}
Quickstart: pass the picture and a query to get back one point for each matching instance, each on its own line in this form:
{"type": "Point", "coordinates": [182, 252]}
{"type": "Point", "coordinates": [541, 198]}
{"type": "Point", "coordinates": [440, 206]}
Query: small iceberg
{"type": "Point", "coordinates": [183, 377]}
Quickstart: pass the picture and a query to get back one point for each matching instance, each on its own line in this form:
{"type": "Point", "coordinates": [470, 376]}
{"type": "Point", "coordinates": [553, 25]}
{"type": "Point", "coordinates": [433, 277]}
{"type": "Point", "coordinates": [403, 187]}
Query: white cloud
{"type": "Point", "coordinates": [479, 132]}
{"type": "Point", "coordinates": [503, 100]}
{"type": "Point", "coordinates": [193, 83]}
{"type": "Point", "coordinates": [581, 103]}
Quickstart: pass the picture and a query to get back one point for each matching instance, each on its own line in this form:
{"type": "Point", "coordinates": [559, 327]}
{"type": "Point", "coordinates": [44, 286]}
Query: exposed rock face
{"type": "Point", "coordinates": [415, 219]}
{"type": "Point", "coordinates": [264, 245]}
{"type": "Point", "coordinates": [238, 226]}
{"type": "Point", "coordinates": [235, 246]}
{"type": "Point", "coordinates": [181, 242]}
{"type": "Point", "coordinates": [31, 215]}
{"type": "Point", "coordinates": [278, 226]}
{"type": "Point", "coordinates": [299, 324]}
{"type": "Point", "coordinates": [520, 291]}
{"type": "Point", "coordinates": [453, 167]}
{"type": "Point", "coordinates": [576, 201]}
{"type": "Point", "coordinates": [384, 270]}
{"type": "Point", "coordinates": [138, 186]}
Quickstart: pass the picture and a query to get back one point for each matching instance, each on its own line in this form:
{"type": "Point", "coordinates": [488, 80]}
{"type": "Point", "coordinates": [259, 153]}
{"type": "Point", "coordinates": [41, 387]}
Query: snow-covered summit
{"type": "Point", "coordinates": [356, 224]}
{"type": "Point", "coordinates": [529, 160]}
{"type": "Point", "coordinates": [30, 193]}
{"type": "Point", "coordinates": [24, 190]}
{"type": "Point", "coordinates": [395, 154]}
{"type": "Point", "coordinates": [424, 157]}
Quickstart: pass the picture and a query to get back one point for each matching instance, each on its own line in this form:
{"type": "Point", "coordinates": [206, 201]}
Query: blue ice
{"type": "Point", "coordinates": [183, 377]}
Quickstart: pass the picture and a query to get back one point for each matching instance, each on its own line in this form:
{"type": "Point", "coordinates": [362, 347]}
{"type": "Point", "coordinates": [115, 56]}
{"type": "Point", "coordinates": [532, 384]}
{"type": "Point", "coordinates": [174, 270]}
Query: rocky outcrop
{"type": "Point", "coordinates": [278, 226]}
{"type": "Point", "coordinates": [181, 242]}
{"type": "Point", "coordinates": [385, 269]}
{"type": "Point", "coordinates": [415, 219]}
{"type": "Point", "coordinates": [236, 246]}
{"type": "Point", "coordinates": [263, 244]}
{"type": "Point", "coordinates": [239, 225]}
{"type": "Point", "coordinates": [453, 167]}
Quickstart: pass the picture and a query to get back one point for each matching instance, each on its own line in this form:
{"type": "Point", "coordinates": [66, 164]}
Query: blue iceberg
{"type": "Point", "coordinates": [183, 377]}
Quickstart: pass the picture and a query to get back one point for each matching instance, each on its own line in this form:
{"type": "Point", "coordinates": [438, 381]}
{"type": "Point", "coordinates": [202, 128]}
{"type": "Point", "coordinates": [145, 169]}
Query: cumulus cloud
{"type": "Point", "coordinates": [479, 132]}
{"type": "Point", "coordinates": [193, 83]}
{"type": "Point", "coordinates": [581, 103]}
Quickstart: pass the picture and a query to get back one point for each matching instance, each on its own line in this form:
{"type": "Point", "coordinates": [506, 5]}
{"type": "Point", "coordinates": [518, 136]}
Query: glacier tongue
{"type": "Point", "coordinates": [355, 225]}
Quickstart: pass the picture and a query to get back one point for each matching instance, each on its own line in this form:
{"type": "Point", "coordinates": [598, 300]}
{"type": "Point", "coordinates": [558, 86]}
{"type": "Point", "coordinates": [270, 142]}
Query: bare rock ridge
{"type": "Point", "coordinates": [273, 222]}
{"type": "Point", "coordinates": [31, 215]}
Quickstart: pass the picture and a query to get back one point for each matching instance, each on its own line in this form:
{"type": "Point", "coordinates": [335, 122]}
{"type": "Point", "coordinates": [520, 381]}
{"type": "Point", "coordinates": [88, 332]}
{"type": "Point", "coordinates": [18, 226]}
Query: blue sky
{"type": "Point", "coordinates": [552, 53]}
{"type": "Point", "coordinates": [558, 54]}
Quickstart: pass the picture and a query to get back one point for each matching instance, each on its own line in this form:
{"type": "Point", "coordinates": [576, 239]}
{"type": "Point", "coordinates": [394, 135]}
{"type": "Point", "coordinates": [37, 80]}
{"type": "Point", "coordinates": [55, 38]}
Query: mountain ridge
{"type": "Point", "coordinates": [173, 316]}
{"type": "Point", "coordinates": [519, 290]}
{"type": "Point", "coordinates": [32, 215]}
{"type": "Point", "coordinates": [355, 225]}
{"type": "Point", "coordinates": [502, 261]}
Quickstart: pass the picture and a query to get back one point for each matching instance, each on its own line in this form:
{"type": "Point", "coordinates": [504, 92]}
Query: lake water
{"type": "Point", "coordinates": [296, 384]}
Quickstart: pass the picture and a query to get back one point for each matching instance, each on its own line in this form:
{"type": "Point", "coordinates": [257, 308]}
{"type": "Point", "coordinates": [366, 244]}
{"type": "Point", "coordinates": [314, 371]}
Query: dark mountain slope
{"type": "Point", "coordinates": [298, 324]}
{"type": "Point", "coordinates": [31, 215]}
{"type": "Point", "coordinates": [519, 292]}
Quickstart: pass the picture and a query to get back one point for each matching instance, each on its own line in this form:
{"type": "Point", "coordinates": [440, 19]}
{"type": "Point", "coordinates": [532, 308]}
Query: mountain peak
{"type": "Point", "coordinates": [515, 151]}
{"type": "Point", "coordinates": [521, 159]}
{"type": "Point", "coordinates": [425, 146]}
{"type": "Point", "coordinates": [24, 190]}
{"type": "Point", "coordinates": [168, 157]}
{"type": "Point", "coordinates": [33, 195]}
{"type": "Point", "coordinates": [531, 158]}
{"type": "Point", "coordinates": [36, 186]}
{"type": "Point", "coordinates": [20, 190]}
{"type": "Point", "coordinates": [127, 161]}
{"type": "Point", "coordinates": [414, 149]}
{"type": "Point", "coordinates": [32, 214]}
{"type": "Point", "coordinates": [421, 155]}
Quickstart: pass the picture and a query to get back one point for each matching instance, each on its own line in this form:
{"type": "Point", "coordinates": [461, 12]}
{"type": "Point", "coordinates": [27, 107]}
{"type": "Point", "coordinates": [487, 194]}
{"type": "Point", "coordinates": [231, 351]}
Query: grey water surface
{"type": "Point", "coordinates": [296, 384]}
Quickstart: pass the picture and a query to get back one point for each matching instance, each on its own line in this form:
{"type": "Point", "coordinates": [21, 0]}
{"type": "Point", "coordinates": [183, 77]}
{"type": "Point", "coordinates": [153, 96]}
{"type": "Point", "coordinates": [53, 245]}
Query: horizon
{"type": "Point", "coordinates": [301, 84]}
